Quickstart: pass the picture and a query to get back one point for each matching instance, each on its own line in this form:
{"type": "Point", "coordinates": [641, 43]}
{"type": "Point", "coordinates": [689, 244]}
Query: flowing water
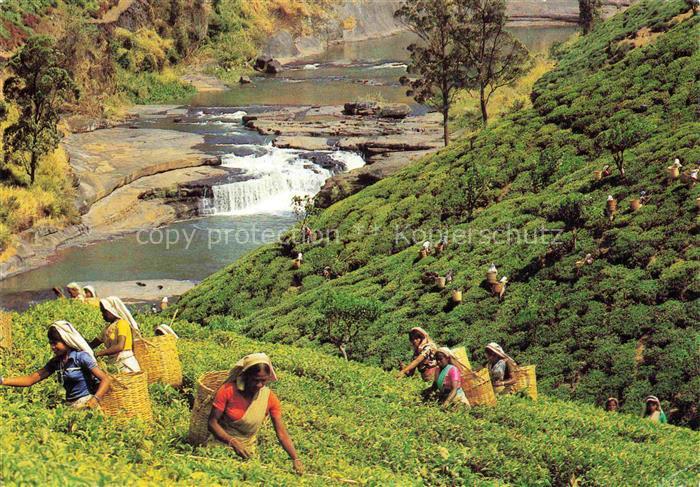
{"type": "Point", "coordinates": [255, 208]}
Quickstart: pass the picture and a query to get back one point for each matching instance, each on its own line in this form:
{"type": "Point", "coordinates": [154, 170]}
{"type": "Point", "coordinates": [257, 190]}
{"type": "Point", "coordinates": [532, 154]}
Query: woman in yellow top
{"type": "Point", "coordinates": [91, 296]}
{"type": "Point", "coordinates": [118, 335]}
{"type": "Point", "coordinates": [241, 405]}
{"type": "Point", "coordinates": [75, 291]}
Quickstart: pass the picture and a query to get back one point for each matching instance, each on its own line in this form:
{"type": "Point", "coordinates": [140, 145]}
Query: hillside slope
{"type": "Point", "coordinates": [351, 424]}
{"type": "Point", "coordinates": [626, 325]}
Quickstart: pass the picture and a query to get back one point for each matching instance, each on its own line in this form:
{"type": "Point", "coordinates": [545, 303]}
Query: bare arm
{"type": "Point", "coordinates": [114, 349]}
{"type": "Point", "coordinates": [105, 382]}
{"type": "Point", "coordinates": [27, 380]}
{"type": "Point", "coordinates": [410, 367]}
{"type": "Point", "coordinates": [286, 442]}
{"type": "Point", "coordinates": [221, 435]}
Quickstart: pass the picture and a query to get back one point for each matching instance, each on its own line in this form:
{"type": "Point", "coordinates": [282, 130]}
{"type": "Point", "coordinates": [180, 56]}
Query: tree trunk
{"type": "Point", "coordinates": [32, 168]}
{"type": "Point", "coordinates": [482, 100]}
{"type": "Point", "coordinates": [341, 347]}
{"type": "Point", "coordinates": [445, 124]}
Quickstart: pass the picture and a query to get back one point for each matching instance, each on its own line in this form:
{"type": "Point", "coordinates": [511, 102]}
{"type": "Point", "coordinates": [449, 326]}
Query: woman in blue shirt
{"type": "Point", "coordinates": [75, 367]}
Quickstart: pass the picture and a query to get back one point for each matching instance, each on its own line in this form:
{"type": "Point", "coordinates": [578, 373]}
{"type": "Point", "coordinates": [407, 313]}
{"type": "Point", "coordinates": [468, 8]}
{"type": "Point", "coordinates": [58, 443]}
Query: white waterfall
{"type": "Point", "coordinates": [276, 177]}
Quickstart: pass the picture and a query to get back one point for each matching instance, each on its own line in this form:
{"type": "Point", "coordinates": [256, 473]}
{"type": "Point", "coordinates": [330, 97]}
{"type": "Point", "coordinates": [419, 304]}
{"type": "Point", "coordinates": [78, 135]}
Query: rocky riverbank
{"type": "Point", "coordinates": [128, 179]}
{"type": "Point", "coordinates": [387, 143]}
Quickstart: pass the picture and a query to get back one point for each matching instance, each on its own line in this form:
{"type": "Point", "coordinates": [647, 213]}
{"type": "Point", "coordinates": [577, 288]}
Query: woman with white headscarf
{"type": "Point", "coordinates": [118, 335]}
{"type": "Point", "coordinates": [75, 367]}
{"type": "Point", "coordinates": [448, 379]}
{"type": "Point", "coordinates": [423, 355]}
{"type": "Point", "coordinates": [501, 368]}
{"type": "Point", "coordinates": [242, 404]}
{"type": "Point", "coordinates": [653, 411]}
{"type": "Point", "coordinates": [75, 291]}
{"type": "Point", "coordinates": [91, 296]}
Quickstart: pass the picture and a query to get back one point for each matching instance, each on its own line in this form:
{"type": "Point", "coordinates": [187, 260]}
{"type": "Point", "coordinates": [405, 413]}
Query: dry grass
{"type": "Point", "coordinates": [505, 97]}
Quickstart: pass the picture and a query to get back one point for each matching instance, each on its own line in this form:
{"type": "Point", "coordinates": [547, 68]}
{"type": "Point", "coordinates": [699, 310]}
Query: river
{"type": "Point", "coordinates": [246, 214]}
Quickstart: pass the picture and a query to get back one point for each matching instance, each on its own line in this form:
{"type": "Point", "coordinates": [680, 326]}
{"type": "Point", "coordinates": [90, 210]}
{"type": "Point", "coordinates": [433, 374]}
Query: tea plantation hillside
{"type": "Point", "coordinates": [626, 324]}
{"type": "Point", "coordinates": [350, 422]}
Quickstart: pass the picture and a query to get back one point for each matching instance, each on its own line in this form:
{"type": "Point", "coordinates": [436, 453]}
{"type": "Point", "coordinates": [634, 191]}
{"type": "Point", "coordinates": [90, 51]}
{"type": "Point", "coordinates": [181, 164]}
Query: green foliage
{"type": "Point", "coordinates": [343, 318]}
{"type": "Point", "coordinates": [642, 284]}
{"type": "Point", "coordinates": [147, 87]}
{"type": "Point", "coordinates": [349, 422]}
{"type": "Point", "coordinates": [38, 86]}
{"type": "Point", "coordinates": [622, 136]}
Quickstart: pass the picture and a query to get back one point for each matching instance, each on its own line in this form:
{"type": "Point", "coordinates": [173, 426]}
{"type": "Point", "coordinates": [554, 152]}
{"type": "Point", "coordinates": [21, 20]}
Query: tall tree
{"type": "Point", "coordinates": [436, 60]}
{"type": "Point", "coordinates": [588, 14]}
{"type": "Point", "coordinates": [494, 58]}
{"type": "Point", "coordinates": [621, 136]}
{"type": "Point", "coordinates": [39, 86]}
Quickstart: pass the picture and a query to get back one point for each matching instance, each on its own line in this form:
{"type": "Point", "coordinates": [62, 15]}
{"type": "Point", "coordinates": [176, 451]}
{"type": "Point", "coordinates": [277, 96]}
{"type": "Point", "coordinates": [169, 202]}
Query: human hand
{"type": "Point", "coordinates": [238, 447]}
{"type": "Point", "coordinates": [93, 403]}
{"type": "Point", "coordinates": [298, 466]}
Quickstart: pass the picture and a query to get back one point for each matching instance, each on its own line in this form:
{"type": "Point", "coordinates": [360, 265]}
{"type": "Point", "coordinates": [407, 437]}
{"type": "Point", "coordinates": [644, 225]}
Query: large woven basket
{"type": "Point", "coordinates": [128, 398]}
{"type": "Point", "coordinates": [478, 389]}
{"type": "Point", "coordinates": [159, 358]}
{"type": "Point", "coordinates": [5, 330]}
{"type": "Point", "coordinates": [207, 385]}
{"type": "Point", "coordinates": [461, 354]}
{"type": "Point", "coordinates": [526, 380]}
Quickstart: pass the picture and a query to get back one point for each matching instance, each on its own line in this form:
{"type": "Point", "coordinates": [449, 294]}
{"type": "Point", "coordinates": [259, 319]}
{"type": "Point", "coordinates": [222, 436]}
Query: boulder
{"type": "Point", "coordinates": [394, 110]}
{"type": "Point", "coordinates": [362, 108]}
{"type": "Point", "coordinates": [261, 63]}
{"type": "Point", "coordinates": [273, 67]}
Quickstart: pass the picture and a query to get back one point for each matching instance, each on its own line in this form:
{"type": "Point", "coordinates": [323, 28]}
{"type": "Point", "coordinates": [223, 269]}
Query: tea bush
{"type": "Point", "coordinates": [350, 422]}
{"type": "Point", "coordinates": [641, 287]}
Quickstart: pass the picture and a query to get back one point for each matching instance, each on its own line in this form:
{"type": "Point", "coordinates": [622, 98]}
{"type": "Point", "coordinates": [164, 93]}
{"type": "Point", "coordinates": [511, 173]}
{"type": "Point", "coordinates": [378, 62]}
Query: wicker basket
{"type": "Point", "coordinates": [158, 357]}
{"type": "Point", "coordinates": [128, 398]}
{"type": "Point", "coordinates": [526, 380]}
{"type": "Point", "coordinates": [456, 296]}
{"type": "Point", "coordinates": [440, 282]}
{"type": "Point", "coordinates": [673, 172]}
{"type": "Point", "coordinates": [461, 354]}
{"type": "Point", "coordinates": [207, 385]}
{"type": "Point", "coordinates": [635, 204]}
{"type": "Point", "coordinates": [478, 389]}
{"type": "Point", "coordinates": [5, 330]}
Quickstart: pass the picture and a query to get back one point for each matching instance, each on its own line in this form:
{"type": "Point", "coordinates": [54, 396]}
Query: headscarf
{"type": "Point", "coordinates": [91, 289]}
{"type": "Point", "coordinates": [72, 337]}
{"type": "Point", "coordinates": [496, 348]}
{"type": "Point", "coordinates": [236, 374]}
{"type": "Point", "coordinates": [653, 399]}
{"type": "Point", "coordinates": [453, 359]}
{"type": "Point", "coordinates": [116, 307]}
{"type": "Point", "coordinates": [426, 337]}
{"type": "Point", "coordinates": [166, 330]}
{"type": "Point", "coordinates": [76, 286]}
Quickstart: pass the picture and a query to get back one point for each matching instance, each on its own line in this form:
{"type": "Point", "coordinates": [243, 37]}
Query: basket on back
{"type": "Point", "coordinates": [478, 389]}
{"type": "Point", "coordinates": [207, 385]}
{"type": "Point", "coordinates": [461, 354]}
{"type": "Point", "coordinates": [159, 358]}
{"type": "Point", "coordinates": [128, 398]}
{"type": "Point", "coordinates": [5, 330]}
{"type": "Point", "coordinates": [526, 380]}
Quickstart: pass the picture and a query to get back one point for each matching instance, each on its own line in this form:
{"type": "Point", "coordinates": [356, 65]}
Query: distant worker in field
{"type": "Point", "coordinates": [75, 291]}
{"type": "Point", "coordinates": [165, 330]}
{"type": "Point", "coordinates": [242, 404]}
{"type": "Point", "coordinates": [501, 368]}
{"type": "Point", "coordinates": [653, 411]}
{"type": "Point", "coordinates": [91, 296]}
{"type": "Point", "coordinates": [423, 355]}
{"type": "Point", "coordinates": [75, 367]}
{"type": "Point", "coordinates": [448, 379]}
{"type": "Point", "coordinates": [118, 335]}
{"type": "Point", "coordinates": [164, 303]}
{"type": "Point", "coordinates": [612, 404]}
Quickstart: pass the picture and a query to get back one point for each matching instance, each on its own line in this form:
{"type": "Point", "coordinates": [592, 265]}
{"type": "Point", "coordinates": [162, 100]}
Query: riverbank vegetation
{"type": "Point", "coordinates": [605, 303]}
{"type": "Point", "coordinates": [351, 423]}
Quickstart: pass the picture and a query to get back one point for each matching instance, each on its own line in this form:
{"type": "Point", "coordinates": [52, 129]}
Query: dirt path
{"type": "Point", "coordinates": [113, 14]}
